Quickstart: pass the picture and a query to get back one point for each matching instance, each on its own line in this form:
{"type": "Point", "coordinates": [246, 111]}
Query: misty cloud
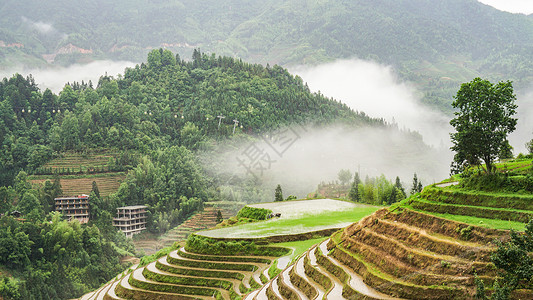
{"type": "Point", "coordinates": [42, 27]}
{"type": "Point", "coordinates": [375, 89]}
{"type": "Point", "coordinates": [524, 127]}
{"type": "Point", "coordinates": [318, 154]}
{"type": "Point", "coordinates": [55, 78]}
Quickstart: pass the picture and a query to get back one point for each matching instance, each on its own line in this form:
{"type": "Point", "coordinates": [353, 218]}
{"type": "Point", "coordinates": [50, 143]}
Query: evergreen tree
{"type": "Point", "coordinates": [354, 192]}
{"type": "Point", "coordinates": [417, 185]}
{"type": "Point", "coordinates": [219, 216]}
{"type": "Point", "coordinates": [278, 195]}
{"type": "Point", "coordinates": [399, 186]}
{"type": "Point", "coordinates": [392, 196]}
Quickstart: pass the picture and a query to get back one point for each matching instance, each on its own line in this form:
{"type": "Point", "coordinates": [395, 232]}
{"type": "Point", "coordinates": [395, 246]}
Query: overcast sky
{"type": "Point", "coordinates": [514, 6]}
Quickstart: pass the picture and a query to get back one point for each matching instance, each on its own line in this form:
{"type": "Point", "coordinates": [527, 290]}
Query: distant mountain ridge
{"type": "Point", "coordinates": [436, 44]}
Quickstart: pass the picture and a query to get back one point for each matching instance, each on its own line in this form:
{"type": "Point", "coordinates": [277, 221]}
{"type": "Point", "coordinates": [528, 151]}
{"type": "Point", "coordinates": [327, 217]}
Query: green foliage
{"type": "Point", "coordinates": [417, 185]}
{"type": "Point", "coordinates": [205, 245]}
{"type": "Point", "coordinates": [514, 258]}
{"type": "Point", "coordinates": [344, 176]}
{"type": "Point", "coordinates": [199, 273]}
{"type": "Point", "coordinates": [223, 258]}
{"type": "Point", "coordinates": [484, 120]}
{"type": "Point", "coordinates": [498, 182]}
{"type": "Point", "coordinates": [291, 198]}
{"type": "Point", "coordinates": [254, 213]}
{"type": "Point", "coordinates": [278, 194]}
{"type": "Point", "coordinates": [377, 190]}
{"type": "Point", "coordinates": [273, 270]}
{"type": "Point", "coordinates": [354, 195]}
{"type": "Point", "coordinates": [219, 216]}
{"type": "Point", "coordinates": [9, 288]}
{"type": "Point", "coordinates": [54, 259]}
{"type": "Point", "coordinates": [160, 253]}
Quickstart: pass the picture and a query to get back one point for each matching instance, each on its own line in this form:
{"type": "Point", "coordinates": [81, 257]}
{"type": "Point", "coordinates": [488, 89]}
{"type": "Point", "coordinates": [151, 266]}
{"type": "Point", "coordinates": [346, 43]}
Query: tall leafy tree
{"type": "Point", "coordinates": [344, 176]}
{"type": "Point", "coordinates": [483, 121]}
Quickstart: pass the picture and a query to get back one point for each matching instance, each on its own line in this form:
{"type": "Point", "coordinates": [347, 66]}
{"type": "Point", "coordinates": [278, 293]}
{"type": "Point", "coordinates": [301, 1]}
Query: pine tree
{"type": "Point", "coordinates": [354, 193]}
{"type": "Point", "coordinates": [399, 186]}
{"type": "Point", "coordinates": [219, 216]}
{"type": "Point", "coordinates": [414, 189]}
{"type": "Point", "coordinates": [278, 195]}
{"type": "Point", "coordinates": [354, 190]}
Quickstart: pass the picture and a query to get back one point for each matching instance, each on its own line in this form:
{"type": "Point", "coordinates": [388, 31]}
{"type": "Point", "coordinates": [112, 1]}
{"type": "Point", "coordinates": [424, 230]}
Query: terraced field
{"type": "Point", "coordinates": [199, 221]}
{"type": "Point", "coordinates": [410, 251]}
{"type": "Point", "coordinates": [71, 185]}
{"type": "Point", "coordinates": [74, 161]}
{"type": "Point", "coordinates": [190, 274]}
{"type": "Point", "coordinates": [183, 274]}
{"type": "Point", "coordinates": [83, 170]}
{"type": "Point", "coordinates": [430, 246]}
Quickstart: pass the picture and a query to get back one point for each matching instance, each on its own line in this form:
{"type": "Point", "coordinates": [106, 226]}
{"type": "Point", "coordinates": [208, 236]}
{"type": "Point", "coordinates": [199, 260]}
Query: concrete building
{"type": "Point", "coordinates": [74, 208]}
{"type": "Point", "coordinates": [130, 219]}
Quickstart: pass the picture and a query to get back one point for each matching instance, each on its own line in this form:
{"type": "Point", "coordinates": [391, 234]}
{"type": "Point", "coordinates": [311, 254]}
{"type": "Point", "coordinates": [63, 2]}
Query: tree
{"type": "Point", "coordinates": [344, 176]}
{"type": "Point", "coordinates": [506, 151]}
{"type": "Point", "coordinates": [95, 189]}
{"type": "Point", "coordinates": [278, 194]}
{"type": "Point", "coordinates": [219, 216]}
{"type": "Point", "coordinates": [417, 185]}
{"type": "Point", "coordinates": [399, 187]}
{"type": "Point", "coordinates": [515, 260]}
{"type": "Point", "coordinates": [354, 190]}
{"type": "Point", "coordinates": [482, 123]}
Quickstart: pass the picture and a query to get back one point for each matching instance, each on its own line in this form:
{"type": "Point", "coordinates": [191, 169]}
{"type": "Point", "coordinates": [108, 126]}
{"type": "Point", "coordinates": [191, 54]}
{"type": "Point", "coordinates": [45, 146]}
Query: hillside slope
{"type": "Point", "coordinates": [433, 244]}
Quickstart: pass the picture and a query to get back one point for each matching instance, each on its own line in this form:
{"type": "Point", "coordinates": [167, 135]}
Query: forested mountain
{"type": "Point", "coordinates": [154, 118]}
{"type": "Point", "coordinates": [436, 44]}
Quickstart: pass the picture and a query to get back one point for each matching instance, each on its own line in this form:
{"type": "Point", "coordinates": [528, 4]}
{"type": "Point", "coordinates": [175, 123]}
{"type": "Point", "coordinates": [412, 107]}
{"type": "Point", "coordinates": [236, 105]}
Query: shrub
{"type": "Point", "coordinates": [254, 213]}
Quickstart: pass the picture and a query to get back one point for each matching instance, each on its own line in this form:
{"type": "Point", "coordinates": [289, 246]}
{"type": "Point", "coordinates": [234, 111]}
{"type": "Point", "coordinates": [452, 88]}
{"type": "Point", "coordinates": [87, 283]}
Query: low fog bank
{"type": "Point", "coordinates": [314, 155]}
{"type": "Point", "coordinates": [375, 89]}
{"type": "Point", "coordinates": [55, 78]}
{"type": "Point", "coordinates": [524, 127]}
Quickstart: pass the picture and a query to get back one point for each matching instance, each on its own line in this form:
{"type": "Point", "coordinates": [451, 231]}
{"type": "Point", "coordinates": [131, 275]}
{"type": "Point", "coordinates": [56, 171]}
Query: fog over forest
{"type": "Point", "coordinates": [318, 155]}
{"type": "Point", "coordinates": [55, 78]}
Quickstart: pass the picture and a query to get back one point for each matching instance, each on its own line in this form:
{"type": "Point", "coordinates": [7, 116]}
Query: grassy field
{"type": "Point", "coordinates": [304, 219]}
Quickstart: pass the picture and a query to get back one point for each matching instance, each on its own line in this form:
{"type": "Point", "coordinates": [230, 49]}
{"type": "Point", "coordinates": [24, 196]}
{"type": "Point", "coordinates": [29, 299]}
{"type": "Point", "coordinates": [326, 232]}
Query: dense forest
{"type": "Point", "coordinates": [435, 44]}
{"type": "Point", "coordinates": [156, 118]}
